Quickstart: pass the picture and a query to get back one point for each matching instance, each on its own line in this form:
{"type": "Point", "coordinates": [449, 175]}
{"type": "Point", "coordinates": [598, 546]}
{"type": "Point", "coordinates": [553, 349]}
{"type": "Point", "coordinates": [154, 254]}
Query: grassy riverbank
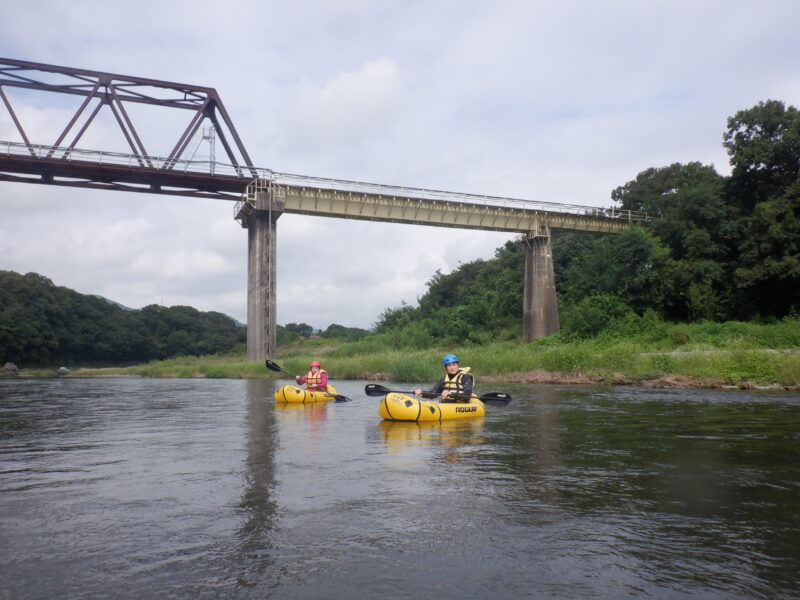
{"type": "Point", "coordinates": [707, 354]}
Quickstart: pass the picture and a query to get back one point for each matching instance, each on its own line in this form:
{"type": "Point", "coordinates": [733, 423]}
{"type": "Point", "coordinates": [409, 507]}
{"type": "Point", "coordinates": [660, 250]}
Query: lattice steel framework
{"type": "Point", "coordinates": [61, 162]}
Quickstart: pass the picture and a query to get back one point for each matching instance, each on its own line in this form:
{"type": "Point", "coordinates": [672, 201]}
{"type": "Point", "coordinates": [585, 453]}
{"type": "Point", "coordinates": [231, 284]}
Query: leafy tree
{"type": "Point", "coordinates": [631, 265]}
{"type": "Point", "coordinates": [594, 314]}
{"type": "Point", "coordinates": [341, 332]}
{"type": "Point", "coordinates": [301, 329]}
{"type": "Point", "coordinates": [770, 256]}
{"type": "Point", "coordinates": [702, 229]}
{"type": "Point", "coordinates": [395, 318]}
{"type": "Point", "coordinates": [764, 145]}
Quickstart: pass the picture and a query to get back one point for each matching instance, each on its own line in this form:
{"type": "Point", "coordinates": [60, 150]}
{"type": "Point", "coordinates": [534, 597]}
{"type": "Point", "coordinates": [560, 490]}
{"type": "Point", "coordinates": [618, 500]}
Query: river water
{"type": "Point", "coordinates": [194, 489]}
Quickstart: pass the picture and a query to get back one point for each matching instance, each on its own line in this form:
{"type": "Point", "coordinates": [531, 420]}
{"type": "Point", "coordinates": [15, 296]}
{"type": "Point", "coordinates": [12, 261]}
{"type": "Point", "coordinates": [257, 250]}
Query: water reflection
{"type": "Point", "coordinates": [312, 412]}
{"type": "Point", "coordinates": [400, 436]}
{"type": "Point", "coordinates": [208, 489]}
{"type": "Point", "coordinates": [258, 497]}
{"type": "Point", "coordinates": [678, 484]}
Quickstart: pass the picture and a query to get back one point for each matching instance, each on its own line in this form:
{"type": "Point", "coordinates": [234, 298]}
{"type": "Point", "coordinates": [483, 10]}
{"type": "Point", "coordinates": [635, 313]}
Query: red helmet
{"type": "Point", "coordinates": [314, 363]}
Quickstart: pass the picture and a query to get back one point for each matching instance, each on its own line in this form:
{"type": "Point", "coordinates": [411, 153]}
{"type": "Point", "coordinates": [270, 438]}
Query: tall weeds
{"type": "Point", "coordinates": [642, 348]}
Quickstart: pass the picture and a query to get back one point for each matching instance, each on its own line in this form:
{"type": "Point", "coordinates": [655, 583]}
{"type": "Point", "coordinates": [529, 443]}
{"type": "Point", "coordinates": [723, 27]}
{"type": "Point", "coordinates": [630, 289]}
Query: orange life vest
{"type": "Point", "coordinates": [313, 381]}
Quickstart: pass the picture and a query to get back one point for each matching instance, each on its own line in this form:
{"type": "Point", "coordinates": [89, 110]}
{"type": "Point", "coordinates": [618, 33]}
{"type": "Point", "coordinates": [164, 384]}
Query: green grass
{"type": "Point", "coordinates": [707, 353]}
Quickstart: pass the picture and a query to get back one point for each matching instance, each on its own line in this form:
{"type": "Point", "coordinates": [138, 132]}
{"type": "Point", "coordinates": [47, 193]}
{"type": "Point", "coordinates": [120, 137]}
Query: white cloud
{"type": "Point", "coordinates": [346, 113]}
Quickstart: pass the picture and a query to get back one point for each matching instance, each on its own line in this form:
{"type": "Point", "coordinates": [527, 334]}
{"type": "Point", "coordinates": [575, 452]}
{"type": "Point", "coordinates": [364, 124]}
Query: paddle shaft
{"type": "Point", "coordinates": [373, 389]}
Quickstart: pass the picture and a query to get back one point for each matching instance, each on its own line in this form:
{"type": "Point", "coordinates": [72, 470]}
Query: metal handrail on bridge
{"type": "Point", "coordinates": [120, 159]}
{"type": "Point", "coordinates": [267, 177]}
{"type": "Point", "coordinates": [394, 191]}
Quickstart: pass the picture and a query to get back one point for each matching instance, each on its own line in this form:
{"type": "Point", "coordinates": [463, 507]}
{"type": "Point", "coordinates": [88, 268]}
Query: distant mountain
{"type": "Point", "coordinates": [45, 324]}
{"type": "Point", "coordinates": [122, 306]}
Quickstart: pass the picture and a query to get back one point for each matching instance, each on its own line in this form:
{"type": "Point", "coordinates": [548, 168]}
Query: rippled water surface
{"type": "Point", "coordinates": [152, 489]}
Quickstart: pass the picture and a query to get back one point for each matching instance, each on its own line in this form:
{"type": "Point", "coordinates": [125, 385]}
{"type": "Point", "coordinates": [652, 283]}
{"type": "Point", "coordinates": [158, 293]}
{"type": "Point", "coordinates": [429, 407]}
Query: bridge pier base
{"type": "Point", "coordinates": [539, 303]}
{"type": "Point", "coordinates": [261, 275]}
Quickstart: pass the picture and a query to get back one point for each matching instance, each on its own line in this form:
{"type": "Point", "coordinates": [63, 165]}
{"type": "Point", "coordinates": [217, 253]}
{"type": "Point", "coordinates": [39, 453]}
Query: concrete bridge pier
{"type": "Point", "coordinates": [539, 304]}
{"type": "Point", "coordinates": [261, 275]}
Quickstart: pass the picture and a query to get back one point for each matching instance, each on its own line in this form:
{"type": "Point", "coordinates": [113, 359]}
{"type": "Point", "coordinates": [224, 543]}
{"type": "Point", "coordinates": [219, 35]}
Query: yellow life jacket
{"type": "Point", "coordinates": [455, 384]}
{"type": "Point", "coordinates": [313, 380]}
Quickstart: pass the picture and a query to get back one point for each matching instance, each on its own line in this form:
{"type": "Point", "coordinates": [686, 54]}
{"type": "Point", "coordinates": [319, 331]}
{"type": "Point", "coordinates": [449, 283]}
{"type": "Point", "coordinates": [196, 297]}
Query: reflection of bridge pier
{"type": "Point", "coordinates": [258, 502]}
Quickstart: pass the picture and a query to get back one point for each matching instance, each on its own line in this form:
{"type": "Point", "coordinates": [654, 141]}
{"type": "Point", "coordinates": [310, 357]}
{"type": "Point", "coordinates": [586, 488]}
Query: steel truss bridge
{"type": "Point", "coordinates": [261, 195]}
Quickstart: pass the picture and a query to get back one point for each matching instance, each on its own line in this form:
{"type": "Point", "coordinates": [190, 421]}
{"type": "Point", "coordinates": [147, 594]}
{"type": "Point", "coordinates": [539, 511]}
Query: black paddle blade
{"type": "Point", "coordinates": [373, 389]}
{"type": "Point", "coordinates": [272, 366]}
{"type": "Point", "coordinates": [498, 398]}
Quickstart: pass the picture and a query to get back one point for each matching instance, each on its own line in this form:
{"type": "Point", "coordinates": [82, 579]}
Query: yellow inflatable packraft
{"type": "Point", "coordinates": [399, 407]}
{"type": "Point", "coordinates": [294, 394]}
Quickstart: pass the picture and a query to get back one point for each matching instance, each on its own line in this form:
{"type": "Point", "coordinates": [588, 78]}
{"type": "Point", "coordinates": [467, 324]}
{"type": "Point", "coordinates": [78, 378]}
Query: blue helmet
{"type": "Point", "coordinates": [449, 358]}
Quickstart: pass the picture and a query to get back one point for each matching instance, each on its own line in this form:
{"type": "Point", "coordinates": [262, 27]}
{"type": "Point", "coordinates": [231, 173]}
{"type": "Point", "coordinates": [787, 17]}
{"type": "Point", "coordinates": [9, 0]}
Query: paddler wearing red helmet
{"type": "Point", "coordinates": [316, 379]}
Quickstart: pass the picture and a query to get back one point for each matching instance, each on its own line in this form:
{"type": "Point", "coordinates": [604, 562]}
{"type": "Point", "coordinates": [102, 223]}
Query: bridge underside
{"type": "Point", "coordinates": [120, 177]}
{"type": "Point", "coordinates": [470, 213]}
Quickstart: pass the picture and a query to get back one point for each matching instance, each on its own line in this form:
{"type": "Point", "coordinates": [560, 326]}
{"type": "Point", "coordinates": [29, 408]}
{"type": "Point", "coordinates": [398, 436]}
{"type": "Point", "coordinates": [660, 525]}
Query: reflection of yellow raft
{"type": "Point", "coordinates": [398, 407]}
{"type": "Point", "coordinates": [402, 435]}
{"type": "Point", "coordinates": [294, 394]}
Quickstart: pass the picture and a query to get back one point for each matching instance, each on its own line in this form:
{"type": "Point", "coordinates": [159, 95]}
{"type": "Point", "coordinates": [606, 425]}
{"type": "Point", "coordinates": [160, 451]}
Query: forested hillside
{"type": "Point", "coordinates": [717, 248]}
{"type": "Point", "coordinates": [44, 324]}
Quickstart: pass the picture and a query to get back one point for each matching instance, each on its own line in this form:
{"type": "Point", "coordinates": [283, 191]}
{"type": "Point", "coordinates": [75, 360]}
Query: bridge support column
{"type": "Point", "coordinates": [539, 304]}
{"type": "Point", "coordinates": [261, 261]}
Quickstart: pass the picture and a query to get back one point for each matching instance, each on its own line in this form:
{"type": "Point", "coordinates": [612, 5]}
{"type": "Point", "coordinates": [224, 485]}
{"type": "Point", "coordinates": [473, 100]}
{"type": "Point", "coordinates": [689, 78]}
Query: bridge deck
{"type": "Point", "coordinates": [297, 193]}
{"type": "Point", "coordinates": [373, 202]}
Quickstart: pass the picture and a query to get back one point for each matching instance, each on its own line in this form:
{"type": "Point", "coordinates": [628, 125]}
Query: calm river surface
{"type": "Point", "coordinates": [157, 489]}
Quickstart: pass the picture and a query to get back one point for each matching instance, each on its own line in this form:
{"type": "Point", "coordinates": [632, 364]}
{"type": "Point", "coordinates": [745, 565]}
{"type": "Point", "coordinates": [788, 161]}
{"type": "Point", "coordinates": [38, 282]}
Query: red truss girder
{"type": "Point", "coordinates": [114, 91]}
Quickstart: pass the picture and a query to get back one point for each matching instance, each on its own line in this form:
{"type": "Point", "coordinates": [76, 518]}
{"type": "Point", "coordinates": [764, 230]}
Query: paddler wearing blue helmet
{"type": "Point", "coordinates": [456, 381]}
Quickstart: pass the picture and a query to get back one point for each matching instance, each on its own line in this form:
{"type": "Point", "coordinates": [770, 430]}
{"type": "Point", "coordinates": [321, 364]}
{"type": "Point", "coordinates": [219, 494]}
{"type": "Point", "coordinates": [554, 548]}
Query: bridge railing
{"type": "Point", "coordinates": [394, 191]}
{"type": "Point", "coordinates": [267, 176]}
{"type": "Point", "coordinates": [120, 159]}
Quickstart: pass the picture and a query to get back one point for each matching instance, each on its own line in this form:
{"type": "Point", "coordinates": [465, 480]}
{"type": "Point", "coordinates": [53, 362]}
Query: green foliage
{"type": "Point", "coordinates": [478, 302]}
{"type": "Point", "coordinates": [594, 314]}
{"type": "Point", "coordinates": [395, 318]}
{"type": "Point", "coordinates": [413, 368]}
{"type": "Point", "coordinates": [41, 323]}
{"type": "Point", "coordinates": [679, 336]}
{"type": "Point", "coordinates": [301, 329]}
{"type": "Point", "coordinates": [642, 347]}
{"type": "Point", "coordinates": [764, 145]}
{"type": "Point", "coordinates": [631, 265]}
{"type": "Point", "coordinates": [350, 334]}
{"type": "Point", "coordinates": [769, 266]}
{"type": "Point", "coordinates": [565, 358]}
{"type": "Point", "coordinates": [660, 364]}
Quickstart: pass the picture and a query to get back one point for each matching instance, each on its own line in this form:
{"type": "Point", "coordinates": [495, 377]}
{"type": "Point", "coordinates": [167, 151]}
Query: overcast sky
{"type": "Point", "coordinates": [558, 101]}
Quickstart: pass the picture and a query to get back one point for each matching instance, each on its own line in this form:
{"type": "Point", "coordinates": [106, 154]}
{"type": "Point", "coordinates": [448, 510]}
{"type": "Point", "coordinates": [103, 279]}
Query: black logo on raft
{"type": "Point", "coordinates": [466, 409]}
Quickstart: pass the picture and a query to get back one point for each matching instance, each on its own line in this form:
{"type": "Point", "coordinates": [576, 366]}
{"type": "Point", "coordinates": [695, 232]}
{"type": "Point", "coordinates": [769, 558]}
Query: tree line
{"type": "Point", "coordinates": [717, 248]}
{"type": "Point", "coordinates": [45, 324]}
{"type": "Point", "coordinates": [294, 331]}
